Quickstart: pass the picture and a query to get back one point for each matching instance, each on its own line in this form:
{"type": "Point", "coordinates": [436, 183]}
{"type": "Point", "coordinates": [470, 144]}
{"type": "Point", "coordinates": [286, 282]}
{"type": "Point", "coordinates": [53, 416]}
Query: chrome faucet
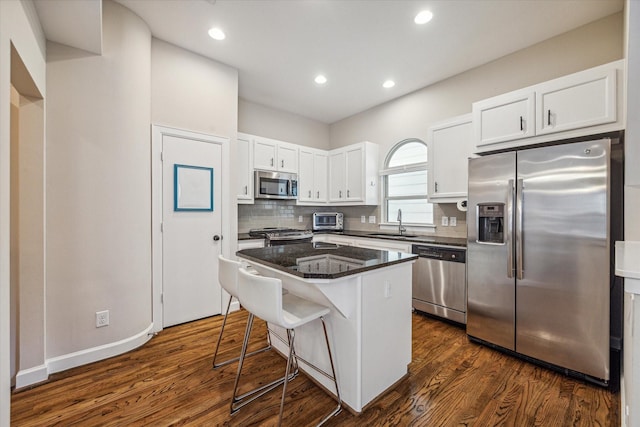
{"type": "Point", "coordinates": [400, 227]}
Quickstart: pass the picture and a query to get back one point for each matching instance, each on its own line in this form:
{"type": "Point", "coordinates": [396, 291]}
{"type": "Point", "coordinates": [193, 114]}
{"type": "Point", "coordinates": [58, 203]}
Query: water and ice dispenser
{"type": "Point", "coordinates": [491, 222]}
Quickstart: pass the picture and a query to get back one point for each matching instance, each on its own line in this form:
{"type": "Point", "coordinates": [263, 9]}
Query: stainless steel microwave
{"type": "Point", "coordinates": [328, 221]}
{"type": "Point", "coordinates": [276, 185]}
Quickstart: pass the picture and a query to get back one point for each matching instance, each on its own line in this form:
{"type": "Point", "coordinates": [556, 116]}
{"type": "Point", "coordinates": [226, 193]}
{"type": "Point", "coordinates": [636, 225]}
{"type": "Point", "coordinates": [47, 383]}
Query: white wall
{"type": "Point", "coordinates": [20, 27]}
{"type": "Point", "coordinates": [260, 120]}
{"type": "Point", "coordinates": [98, 191]}
{"type": "Point", "coordinates": [410, 116]}
{"type": "Point", "coordinates": [191, 92]}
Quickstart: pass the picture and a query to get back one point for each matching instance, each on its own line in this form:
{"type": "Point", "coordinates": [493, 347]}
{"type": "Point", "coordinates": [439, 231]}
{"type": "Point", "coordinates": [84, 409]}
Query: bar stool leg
{"type": "Point", "coordinates": [290, 361]}
{"type": "Point", "coordinates": [238, 402]}
{"type": "Point", "coordinates": [333, 372]}
{"type": "Point", "coordinates": [226, 362]}
{"type": "Point", "coordinates": [224, 322]}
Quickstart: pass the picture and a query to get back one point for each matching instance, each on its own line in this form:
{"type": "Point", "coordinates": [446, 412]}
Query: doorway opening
{"type": "Point", "coordinates": [27, 224]}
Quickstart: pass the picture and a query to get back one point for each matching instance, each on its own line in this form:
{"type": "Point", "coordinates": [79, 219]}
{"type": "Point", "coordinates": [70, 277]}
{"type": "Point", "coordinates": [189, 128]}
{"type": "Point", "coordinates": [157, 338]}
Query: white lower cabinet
{"type": "Point", "coordinates": [364, 242]}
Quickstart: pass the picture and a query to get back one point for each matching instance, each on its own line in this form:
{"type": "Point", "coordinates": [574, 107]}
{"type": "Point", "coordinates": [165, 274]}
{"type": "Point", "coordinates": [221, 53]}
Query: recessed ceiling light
{"type": "Point", "coordinates": [423, 17]}
{"type": "Point", "coordinates": [217, 34]}
{"type": "Point", "coordinates": [388, 84]}
{"type": "Point", "coordinates": [320, 79]}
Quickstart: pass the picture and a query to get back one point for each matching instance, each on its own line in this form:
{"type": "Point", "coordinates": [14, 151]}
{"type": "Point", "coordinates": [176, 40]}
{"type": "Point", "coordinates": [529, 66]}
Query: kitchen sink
{"type": "Point", "coordinates": [391, 235]}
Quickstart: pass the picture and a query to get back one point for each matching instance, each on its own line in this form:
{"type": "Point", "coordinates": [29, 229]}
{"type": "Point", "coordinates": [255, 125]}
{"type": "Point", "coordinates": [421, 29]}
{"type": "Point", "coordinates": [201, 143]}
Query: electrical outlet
{"type": "Point", "coordinates": [372, 219]}
{"type": "Point", "coordinates": [445, 221]}
{"type": "Point", "coordinates": [363, 219]}
{"type": "Point", "coordinates": [300, 219]}
{"type": "Point", "coordinates": [102, 318]}
{"type": "Point", "coordinates": [453, 221]}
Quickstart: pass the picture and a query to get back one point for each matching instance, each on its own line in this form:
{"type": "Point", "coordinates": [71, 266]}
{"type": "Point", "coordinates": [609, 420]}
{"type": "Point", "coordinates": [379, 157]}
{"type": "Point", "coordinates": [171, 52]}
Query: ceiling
{"type": "Point", "coordinates": [279, 46]}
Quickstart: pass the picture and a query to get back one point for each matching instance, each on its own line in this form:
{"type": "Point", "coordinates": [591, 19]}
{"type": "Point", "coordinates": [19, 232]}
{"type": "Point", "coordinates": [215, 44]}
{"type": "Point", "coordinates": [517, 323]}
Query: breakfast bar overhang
{"type": "Point", "coordinates": [369, 294]}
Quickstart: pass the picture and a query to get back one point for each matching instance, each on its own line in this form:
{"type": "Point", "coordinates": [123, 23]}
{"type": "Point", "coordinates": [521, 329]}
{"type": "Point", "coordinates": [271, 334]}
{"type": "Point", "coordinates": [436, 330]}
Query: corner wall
{"type": "Point", "coordinates": [98, 193]}
{"type": "Point", "coordinates": [20, 28]}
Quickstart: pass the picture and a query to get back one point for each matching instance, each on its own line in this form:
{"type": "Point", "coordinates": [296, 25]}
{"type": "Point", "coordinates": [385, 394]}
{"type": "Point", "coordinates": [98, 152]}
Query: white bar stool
{"type": "Point", "coordinates": [228, 278]}
{"type": "Point", "coordinates": [262, 297]}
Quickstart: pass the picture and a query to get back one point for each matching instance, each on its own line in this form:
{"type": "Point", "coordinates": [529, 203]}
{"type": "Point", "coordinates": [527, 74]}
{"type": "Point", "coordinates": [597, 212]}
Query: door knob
{"type": "Point", "coordinates": [216, 238]}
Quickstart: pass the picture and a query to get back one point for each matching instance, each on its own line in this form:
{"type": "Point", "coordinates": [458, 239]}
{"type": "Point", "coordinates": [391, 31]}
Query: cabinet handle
{"type": "Point", "coordinates": [318, 195]}
{"type": "Point", "coordinates": [272, 161]}
{"type": "Point", "coordinates": [521, 124]}
{"type": "Point", "coordinates": [549, 117]}
{"type": "Point", "coordinates": [309, 193]}
{"type": "Point", "coordinates": [436, 186]}
{"type": "Point", "coordinates": [348, 193]}
{"type": "Point", "coordinates": [281, 163]}
{"type": "Point", "coordinates": [246, 190]}
{"type": "Point", "coordinates": [340, 194]}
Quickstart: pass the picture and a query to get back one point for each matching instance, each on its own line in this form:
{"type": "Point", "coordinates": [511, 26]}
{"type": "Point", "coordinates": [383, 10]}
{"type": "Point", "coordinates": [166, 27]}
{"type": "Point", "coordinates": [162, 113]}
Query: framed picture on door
{"type": "Point", "coordinates": [192, 188]}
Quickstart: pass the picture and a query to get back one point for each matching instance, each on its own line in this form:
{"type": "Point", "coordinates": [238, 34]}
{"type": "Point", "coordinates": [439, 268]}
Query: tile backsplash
{"type": "Point", "coordinates": [286, 214]}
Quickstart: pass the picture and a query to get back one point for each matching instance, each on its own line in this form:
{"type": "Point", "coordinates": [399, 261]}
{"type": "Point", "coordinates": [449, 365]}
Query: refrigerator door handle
{"type": "Point", "coordinates": [509, 229]}
{"type": "Point", "coordinates": [519, 232]}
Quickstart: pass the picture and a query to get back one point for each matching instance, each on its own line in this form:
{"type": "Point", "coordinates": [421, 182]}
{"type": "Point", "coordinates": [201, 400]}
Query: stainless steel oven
{"type": "Point", "coordinates": [282, 236]}
{"type": "Point", "coordinates": [276, 185]}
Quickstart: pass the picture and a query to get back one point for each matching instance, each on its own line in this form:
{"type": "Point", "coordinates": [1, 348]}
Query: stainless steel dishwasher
{"type": "Point", "coordinates": [440, 282]}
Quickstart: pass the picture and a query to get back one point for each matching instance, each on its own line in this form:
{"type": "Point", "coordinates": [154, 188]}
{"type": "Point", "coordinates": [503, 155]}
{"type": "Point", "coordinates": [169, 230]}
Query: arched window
{"type": "Point", "coordinates": [405, 184]}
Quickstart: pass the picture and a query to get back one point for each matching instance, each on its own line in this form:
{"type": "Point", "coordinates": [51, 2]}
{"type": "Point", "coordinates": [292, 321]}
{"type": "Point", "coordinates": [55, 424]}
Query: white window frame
{"type": "Point", "coordinates": [390, 223]}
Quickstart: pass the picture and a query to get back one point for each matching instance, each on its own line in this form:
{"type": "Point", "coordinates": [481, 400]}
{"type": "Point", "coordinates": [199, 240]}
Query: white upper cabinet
{"type": "Point", "coordinates": [353, 174]}
{"type": "Point", "coordinates": [244, 172]}
{"type": "Point", "coordinates": [312, 178]}
{"type": "Point", "coordinates": [505, 117]}
{"type": "Point", "coordinates": [580, 104]}
{"type": "Point", "coordinates": [337, 175]}
{"type": "Point", "coordinates": [451, 144]}
{"type": "Point", "coordinates": [272, 155]}
{"type": "Point", "coordinates": [577, 101]}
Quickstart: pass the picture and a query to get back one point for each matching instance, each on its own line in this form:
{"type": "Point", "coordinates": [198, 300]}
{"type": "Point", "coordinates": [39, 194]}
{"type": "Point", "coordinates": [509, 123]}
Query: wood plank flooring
{"type": "Point", "coordinates": [170, 382]}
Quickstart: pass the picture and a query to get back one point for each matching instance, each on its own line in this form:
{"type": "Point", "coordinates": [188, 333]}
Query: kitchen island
{"type": "Point", "coordinates": [369, 294]}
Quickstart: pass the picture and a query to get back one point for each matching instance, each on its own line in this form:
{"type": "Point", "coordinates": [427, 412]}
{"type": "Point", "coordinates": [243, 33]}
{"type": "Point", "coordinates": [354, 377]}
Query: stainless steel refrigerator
{"type": "Point", "coordinates": [538, 256]}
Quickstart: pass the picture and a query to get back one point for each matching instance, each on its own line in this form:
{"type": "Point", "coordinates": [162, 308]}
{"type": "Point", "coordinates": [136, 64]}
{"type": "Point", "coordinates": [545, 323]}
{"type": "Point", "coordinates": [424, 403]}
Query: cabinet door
{"type": "Point", "coordinates": [306, 176]}
{"type": "Point", "coordinates": [451, 145]}
{"type": "Point", "coordinates": [337, 175]}
{"type": "Point", "coordinates": [287, 156]}
{"type": "Point", "coordinates": [320, 182]}
{"type": "Point", "coordinates": [264, 154]}
{"type": "Point", "coordinates": [504, 118]}
{"type": "Point", "coordinates": [244, 170]}
{"type": "Point", "coordinates": [577, 101]}
{"type": "Point", "coordinates": [355, 173]}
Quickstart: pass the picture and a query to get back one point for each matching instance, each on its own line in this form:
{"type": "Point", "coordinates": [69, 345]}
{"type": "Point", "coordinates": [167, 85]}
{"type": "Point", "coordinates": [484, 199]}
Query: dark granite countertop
{"type": "Point", "coordinates": [424, 239]}
{"type": "Point", "coordinates": [323, 260]}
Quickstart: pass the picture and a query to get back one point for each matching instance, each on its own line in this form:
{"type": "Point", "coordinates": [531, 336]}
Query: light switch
{"type": "Point", "coordinates": [445, 221]}
{"type": "Point", "coordinates": [453, 221]}
{"type": "Point", "coordinates": [363, 219]}
{"type": "Point", "coordinates": [372, 219]}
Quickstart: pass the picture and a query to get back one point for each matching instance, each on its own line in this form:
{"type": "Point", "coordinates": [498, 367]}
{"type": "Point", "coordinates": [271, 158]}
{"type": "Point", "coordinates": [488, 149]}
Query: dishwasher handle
{"type": "Point", "coordinates": [440, 253]}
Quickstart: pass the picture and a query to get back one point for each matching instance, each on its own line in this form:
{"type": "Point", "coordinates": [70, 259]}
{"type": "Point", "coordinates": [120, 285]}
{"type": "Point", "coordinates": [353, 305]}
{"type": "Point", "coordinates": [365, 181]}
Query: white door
{"type": "Point", "coordinates": [191, 228]}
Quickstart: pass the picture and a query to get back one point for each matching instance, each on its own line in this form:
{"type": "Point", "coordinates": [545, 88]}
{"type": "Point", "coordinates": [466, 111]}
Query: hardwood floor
{"type": "Point", "coordinates": [169, 381]}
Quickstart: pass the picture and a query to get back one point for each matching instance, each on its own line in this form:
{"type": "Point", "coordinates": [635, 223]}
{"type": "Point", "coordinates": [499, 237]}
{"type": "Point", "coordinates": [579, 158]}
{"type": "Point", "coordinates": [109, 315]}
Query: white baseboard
{"type": "Point", "coordinates": [27, 377]}
{"type": "Point", "coordinates": [102, 352]}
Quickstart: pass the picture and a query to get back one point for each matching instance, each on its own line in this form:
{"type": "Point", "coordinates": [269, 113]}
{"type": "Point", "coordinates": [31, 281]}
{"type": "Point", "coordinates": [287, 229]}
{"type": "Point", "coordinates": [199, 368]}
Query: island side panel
{"type": "Point", "coordinates": [386, 333]}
